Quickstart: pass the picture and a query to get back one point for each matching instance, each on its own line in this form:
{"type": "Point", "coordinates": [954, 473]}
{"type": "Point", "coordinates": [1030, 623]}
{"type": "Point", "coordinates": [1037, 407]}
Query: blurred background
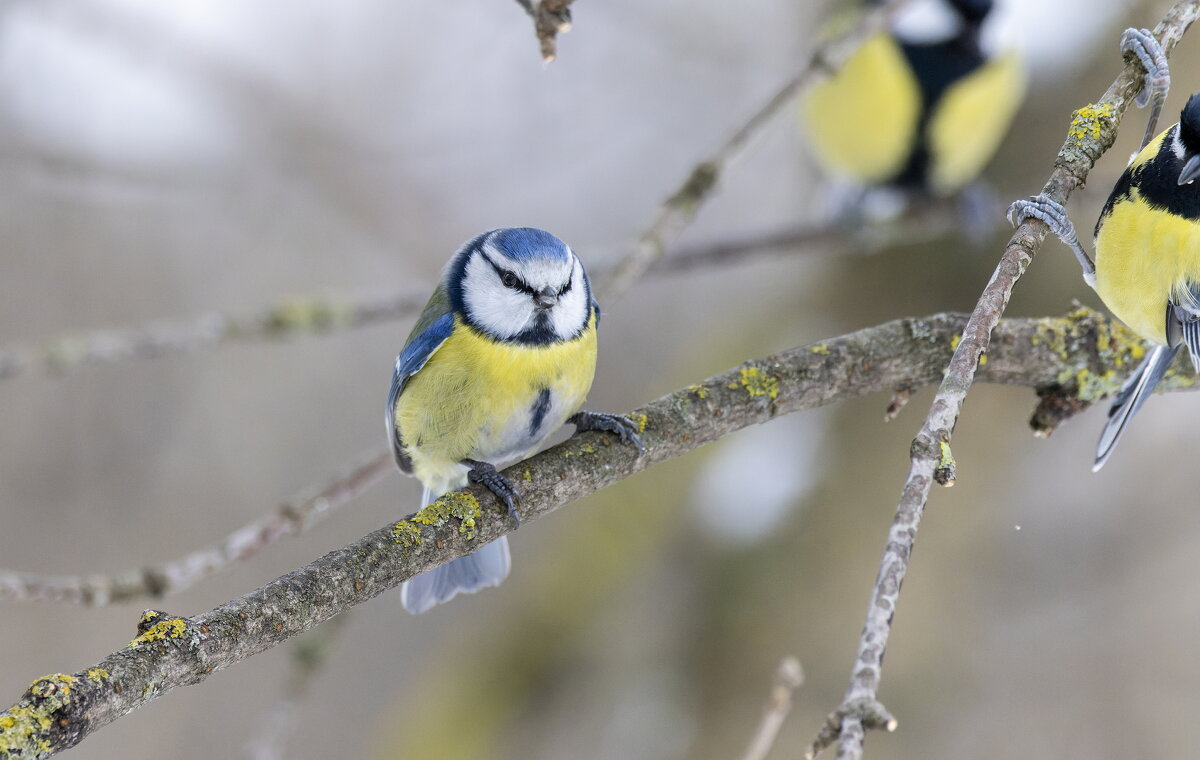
{"type": "Point", "coordinates": [160, 160]}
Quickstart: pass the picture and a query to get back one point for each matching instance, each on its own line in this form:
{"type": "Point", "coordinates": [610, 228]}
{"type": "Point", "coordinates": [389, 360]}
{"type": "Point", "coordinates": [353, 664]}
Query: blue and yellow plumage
{"type": "Point", "coordinates": [922, 116]}
{"type": "Point", "coordinates": [501, 357]}
{"type": "Point", "coordinates": [1147, 242]}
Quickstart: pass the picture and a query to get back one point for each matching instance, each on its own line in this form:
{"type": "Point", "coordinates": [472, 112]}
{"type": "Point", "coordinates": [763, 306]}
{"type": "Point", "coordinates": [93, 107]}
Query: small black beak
{"type": "Point", "coordinates": [1191, 171]}
{"type": "Point", "coordinates": [545, 299]}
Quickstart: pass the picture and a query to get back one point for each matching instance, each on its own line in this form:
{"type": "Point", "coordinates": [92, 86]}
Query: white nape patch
{"type": "Point", "coordinates": [507, 312]}
{"type": "Point", "coordinates": [926, 21]}
{"type": "Point", "coordinates": [1177, 144]}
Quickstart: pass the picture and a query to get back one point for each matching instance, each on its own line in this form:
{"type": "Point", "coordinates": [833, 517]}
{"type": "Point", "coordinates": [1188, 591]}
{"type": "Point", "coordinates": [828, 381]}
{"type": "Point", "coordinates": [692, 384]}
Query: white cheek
{"type": "Point", "coordinates": [1177, 144]}
{"type": "Point", "coordinates": [501, 311]}
{"type": "Point", "coordinates": [571, 312]}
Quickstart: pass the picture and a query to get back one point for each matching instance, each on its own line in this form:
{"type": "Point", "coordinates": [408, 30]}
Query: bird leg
{"type": "Point", "coordinates": [486, 475]}
{"type": "Point", "coordinates": [1055, 217]}
{"type": "Point", "coordinates": [625, 428]}
{"type": "Point", "coordinates": [1142, 44]}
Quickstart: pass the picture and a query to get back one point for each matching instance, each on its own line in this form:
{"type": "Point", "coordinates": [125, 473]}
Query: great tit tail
{"type": "Point", "coordinates": [487, 566]}
{"type": "Point", "coordinates": [1130, 398]}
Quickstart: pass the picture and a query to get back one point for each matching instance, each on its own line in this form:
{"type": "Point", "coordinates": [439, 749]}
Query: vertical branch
{"type": "Point", "coordinates": [1092, 133]}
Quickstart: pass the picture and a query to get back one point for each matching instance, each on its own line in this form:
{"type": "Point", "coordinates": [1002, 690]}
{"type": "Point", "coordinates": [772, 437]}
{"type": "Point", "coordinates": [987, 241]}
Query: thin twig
{"type": "Point", "coordinates": [788, 677]}
{"type": "Point", "coordinates": [904, 354]}
{"type": "Point", "coordinates": [157, 581]}
{"type": "Point", "coordinates": [550, 19]}
{"type": "Point", "coordinates": [1093, 132]}
{"type": "Point", "coordinates": [680, 209]}
{"type": "Point", "coordinates": [296, 318]}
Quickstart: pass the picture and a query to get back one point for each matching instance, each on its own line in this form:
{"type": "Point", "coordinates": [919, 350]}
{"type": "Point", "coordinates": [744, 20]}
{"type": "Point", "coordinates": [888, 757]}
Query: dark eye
{"type": "Point", "coordinates": [565, 288]}
{"type": "Point", "coordinates": [509, 279]}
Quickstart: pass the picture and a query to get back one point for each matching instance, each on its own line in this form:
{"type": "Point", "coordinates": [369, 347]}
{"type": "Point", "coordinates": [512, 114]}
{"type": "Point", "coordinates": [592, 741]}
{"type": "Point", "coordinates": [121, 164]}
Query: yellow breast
{"type": "Point", "coordinates": [970, 120]}
{"type": "Point", "coordinates": [1144, 256]}
{"type": "Point", "coordinates": [476, 398]}
{"type": "Point", "coordinates": [863, 120]}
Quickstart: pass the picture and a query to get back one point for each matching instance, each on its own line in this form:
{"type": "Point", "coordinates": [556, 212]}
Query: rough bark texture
{"type": "Point", "coordinates": [58, 711]}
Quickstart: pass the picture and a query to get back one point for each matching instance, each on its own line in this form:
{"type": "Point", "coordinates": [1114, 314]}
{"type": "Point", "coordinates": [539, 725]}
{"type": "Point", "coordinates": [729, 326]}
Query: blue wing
{"type": "Point", "coordinates": [408, 363]}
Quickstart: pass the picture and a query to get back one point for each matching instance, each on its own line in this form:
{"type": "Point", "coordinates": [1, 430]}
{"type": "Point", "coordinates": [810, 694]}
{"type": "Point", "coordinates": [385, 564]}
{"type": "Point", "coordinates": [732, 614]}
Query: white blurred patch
{"type": "Point", "coordinates": [74, 90]}
{"type": "Point", "coordinates": [1055, 37]}
{"type": "Point", "coordinates": [758, 476]}
{"type": "Point", "coordinates": [925, 21]}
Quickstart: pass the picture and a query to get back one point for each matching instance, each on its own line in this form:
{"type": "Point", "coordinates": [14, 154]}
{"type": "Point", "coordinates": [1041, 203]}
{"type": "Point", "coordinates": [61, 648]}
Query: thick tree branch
{"type": "Point", "coordinates": [1071, 362]}
{"type": "Point", "coordinates": [1092, 132]}
{"type": "Point", "coordinates": [60, 710]}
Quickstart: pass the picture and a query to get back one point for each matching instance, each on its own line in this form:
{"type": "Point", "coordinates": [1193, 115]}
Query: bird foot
{"type": "Point", "coordinates": [1143, 46]}
{"type": "Point", "coordinates": [619, 424]}
{"type": "Point", "coordinates": [1054, 215]}
{"type": "Point", "coordinates": [486, 475]}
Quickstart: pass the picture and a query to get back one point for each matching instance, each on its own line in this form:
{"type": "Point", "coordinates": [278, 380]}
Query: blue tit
{"type": "Point", "coordinates": [501, 357]}
{"type": "Point", "coordinates": [1147, 242]}
{"type": "Point", "coordinates": [920, 108]}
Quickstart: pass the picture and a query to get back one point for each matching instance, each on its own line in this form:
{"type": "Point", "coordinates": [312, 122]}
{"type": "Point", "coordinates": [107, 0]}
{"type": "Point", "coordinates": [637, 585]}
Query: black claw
{"type": "Point", "coordinates": [486, 475]}
{"type": "Point", "coordinates": [619, 424]}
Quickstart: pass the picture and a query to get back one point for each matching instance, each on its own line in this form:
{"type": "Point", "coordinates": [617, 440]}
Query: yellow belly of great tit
{"type": "Point", "coordinates": [477, 398]}
{"type": "Point", "coordinates": [868, 123]}
{"type": "Point", "coordinates": [1145, 255]}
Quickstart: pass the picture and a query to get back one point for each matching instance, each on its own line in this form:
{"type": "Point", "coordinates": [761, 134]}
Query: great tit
{"type": "Point", "coordinates": [1147, 240]}
{"type": "Point", "coordinates": [920, 115]}
{"type": "Point", "coordinates": [501, 357]}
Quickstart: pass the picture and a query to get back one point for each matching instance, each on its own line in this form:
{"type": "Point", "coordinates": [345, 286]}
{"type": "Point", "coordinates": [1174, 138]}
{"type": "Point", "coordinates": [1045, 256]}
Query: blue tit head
{"type": "Point", "coordinates": [520, 285]}
{"type": "Point", "coordinates": [1187, 143]}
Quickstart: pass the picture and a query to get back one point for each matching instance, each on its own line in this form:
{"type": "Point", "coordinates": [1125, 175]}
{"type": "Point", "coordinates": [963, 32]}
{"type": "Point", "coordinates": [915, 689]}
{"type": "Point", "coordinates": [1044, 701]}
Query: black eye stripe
{"type": "Point", "coordinates": [565, 288]}
{"type": "Point", "coordinates": [519, 284]}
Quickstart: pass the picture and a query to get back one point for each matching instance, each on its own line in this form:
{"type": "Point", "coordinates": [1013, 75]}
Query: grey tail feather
{"type": "Point", "coordinates": [1130, 398]}
{"type": "Point", "coordinates": [486, 566]}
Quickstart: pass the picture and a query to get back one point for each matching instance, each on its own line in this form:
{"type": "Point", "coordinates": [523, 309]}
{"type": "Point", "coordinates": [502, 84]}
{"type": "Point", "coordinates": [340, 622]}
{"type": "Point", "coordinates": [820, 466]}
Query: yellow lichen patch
{"type": "Point", "coordinates": [307, 315]}
{"type": "Point", "coordinates": [406, 534]}
{"type": "Point", "coordinates": [982, 359]}
{"type": "Point", "coordinates": [820, 348]}
{"type": "Point", "coordinates": [174, 628]}
{"type": "Point", "coordinates": [758, 383]}
{"type": "Point", "coordinates": [527, 476]}
{"type": "Point", "coordinates": [1087, 122]}
{"type": "Point", "coordinates": [24, 729]}
{"type": "Point", "coordinates": [458, 505]}
{"type": "Point", "coordinates": [640, 420]}
{"type": "Point", "coordinates": [97, 674]}
{"type": "Point", "coordinates": [945, 459]}
{"type": "Point", "coordinates": [698, 390]}
{"type": "Point", "coordinates": [954, 341]}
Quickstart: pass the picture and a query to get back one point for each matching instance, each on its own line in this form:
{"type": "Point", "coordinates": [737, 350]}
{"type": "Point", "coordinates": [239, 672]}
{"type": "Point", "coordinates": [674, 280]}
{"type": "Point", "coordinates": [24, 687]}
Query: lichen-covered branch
{"type": "Point", "coordinates": [1078, 360]}
{"type": "Point", "coordinates": [1092, 132]}
{"type": "Point", "coordinates": [550, 19]}
{"type": "Point", "coordinates": [680, 209]}
{"type": "Point", "coordinates": [60, 710]}
{"type": "Point", "coordinates": [154, 581]}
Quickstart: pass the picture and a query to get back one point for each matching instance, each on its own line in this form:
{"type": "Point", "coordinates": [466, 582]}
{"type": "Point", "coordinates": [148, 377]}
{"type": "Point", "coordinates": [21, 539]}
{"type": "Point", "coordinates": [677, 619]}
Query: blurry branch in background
{"type": "Point", "coordinates": [1092, 132]}
{"type": "Point", "coordinates": [298, 317]}
{"type": "Point", "coordinates": [550, 19]}
{"type": "Point", "coordinates": [59, 711]}
{"type": "Point", "coordinates": [680, 209]}
{"type": "Point", "coordinates": [156, 581]}
{"type": "Point", "coordinates": [788, 677]}
{"type": "Point", "coordinates": [308, 655]}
